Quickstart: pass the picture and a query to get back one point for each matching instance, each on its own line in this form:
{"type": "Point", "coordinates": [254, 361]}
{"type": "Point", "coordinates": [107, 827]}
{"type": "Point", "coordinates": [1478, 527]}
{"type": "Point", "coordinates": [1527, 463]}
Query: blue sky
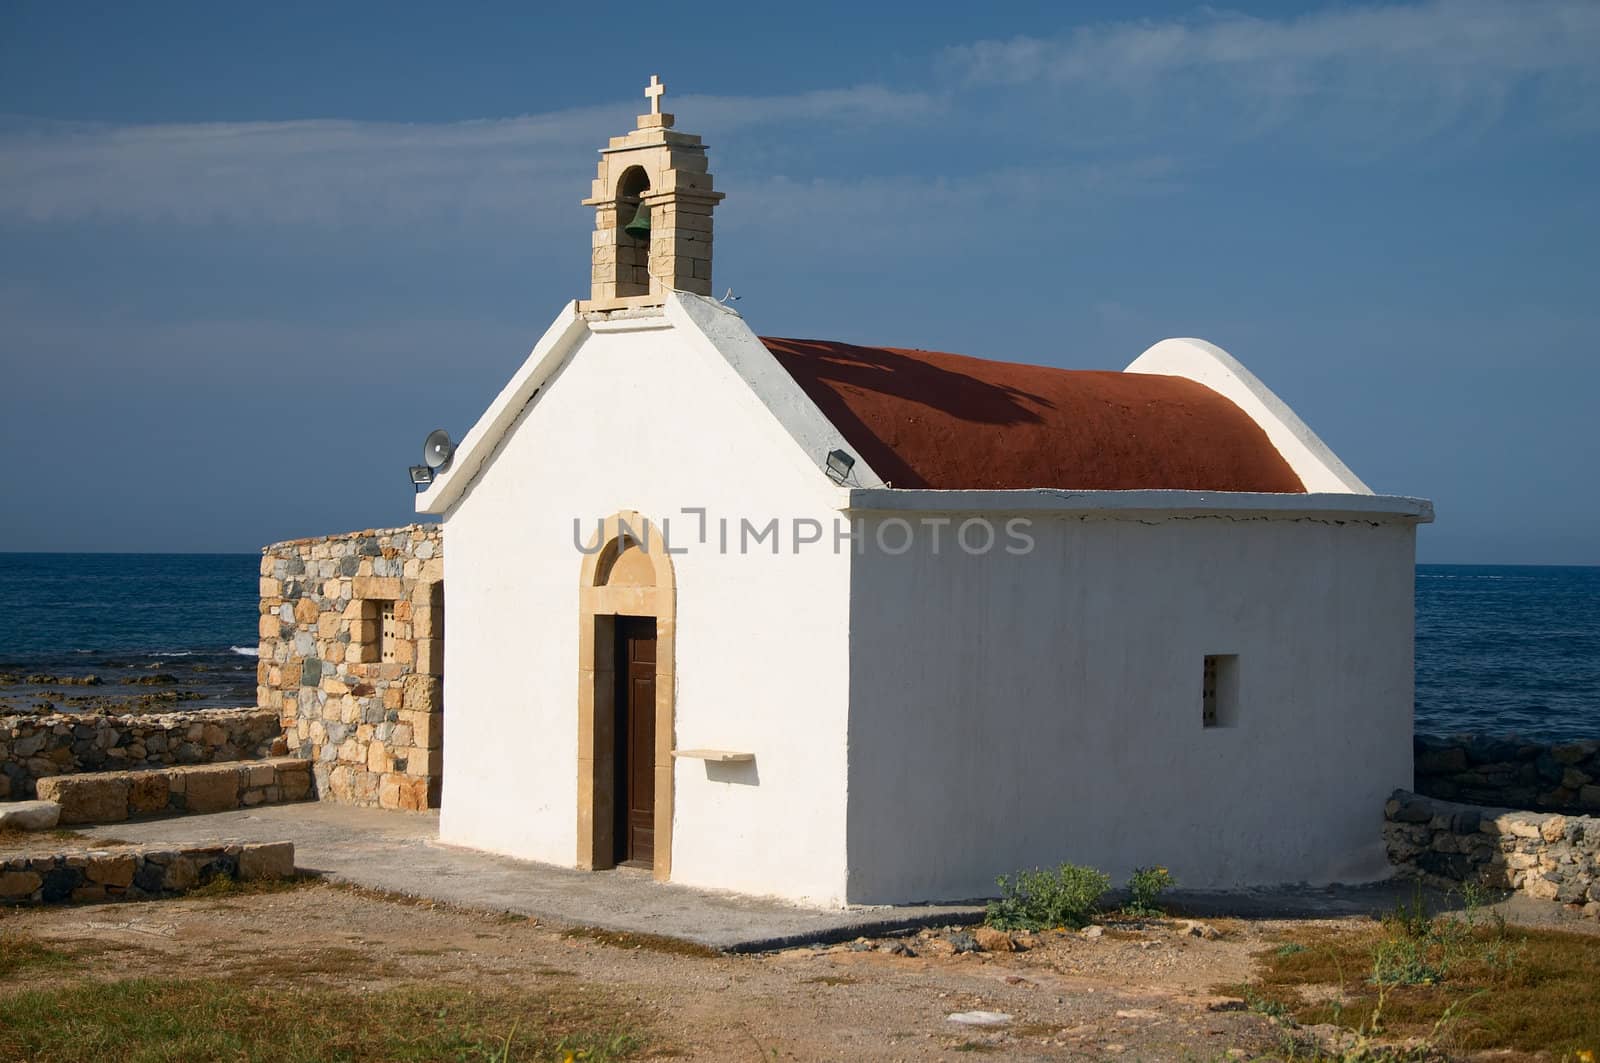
{"type": "Point", "coordinates": [250, 255]}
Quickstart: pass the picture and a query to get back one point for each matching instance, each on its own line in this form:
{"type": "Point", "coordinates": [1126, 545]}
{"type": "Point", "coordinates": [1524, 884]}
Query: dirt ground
{"type": "Point", "coordinates": [1137, 992]}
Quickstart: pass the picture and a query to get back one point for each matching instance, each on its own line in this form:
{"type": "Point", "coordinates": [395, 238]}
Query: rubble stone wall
{"type": "Point", "coordinates": [1509, 772]}
{"type": "Point", "coordinates": [128, 874]}
{"type": "Point", "coordinates": [352, 656]}
{"type": "Point", "coordinates": [1543, 854]}
{"type": "Point", "coordinates": [35, 747]}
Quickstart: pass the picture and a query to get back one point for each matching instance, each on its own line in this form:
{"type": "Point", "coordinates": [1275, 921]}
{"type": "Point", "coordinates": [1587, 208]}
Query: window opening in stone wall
{"type": "Point", "coordinates": [388, 636]}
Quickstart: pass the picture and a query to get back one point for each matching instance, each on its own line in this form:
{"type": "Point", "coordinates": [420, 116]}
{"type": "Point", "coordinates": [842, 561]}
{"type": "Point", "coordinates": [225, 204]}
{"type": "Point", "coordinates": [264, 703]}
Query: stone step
{"type": "Point", "coordinates": [113, 796]}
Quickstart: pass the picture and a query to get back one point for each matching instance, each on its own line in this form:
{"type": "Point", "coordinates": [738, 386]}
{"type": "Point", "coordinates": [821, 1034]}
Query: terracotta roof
{"type": "Point", "coordinates": [923, 419]}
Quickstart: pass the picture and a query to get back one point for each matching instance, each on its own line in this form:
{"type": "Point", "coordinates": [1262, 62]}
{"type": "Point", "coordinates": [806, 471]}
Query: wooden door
{"type": "Point", "coordinates": [635, 824]}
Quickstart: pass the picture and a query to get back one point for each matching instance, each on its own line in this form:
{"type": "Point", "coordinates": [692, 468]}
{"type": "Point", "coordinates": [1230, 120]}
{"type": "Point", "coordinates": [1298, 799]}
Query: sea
{"type": "Point", "coordinates": [1501, 649]}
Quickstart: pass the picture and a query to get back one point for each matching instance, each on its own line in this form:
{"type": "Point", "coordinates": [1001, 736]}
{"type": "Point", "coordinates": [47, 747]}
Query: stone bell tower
{"type": "Point", "coordinates": [652, 214]}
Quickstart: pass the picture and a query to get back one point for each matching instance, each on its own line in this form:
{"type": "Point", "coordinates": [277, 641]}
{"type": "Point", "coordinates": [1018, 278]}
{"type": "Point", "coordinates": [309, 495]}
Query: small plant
{"type": "Point", "coordinates": [1145, 888]}
{"type": "Point", "coordinates": [1404, 961]}
{"type": "Point", "coordinates": [1413, 919]}
{"type": "Point", "coordinates": [1042, 900]}
{"type": "Point", "coordinates": [1272, 1009]}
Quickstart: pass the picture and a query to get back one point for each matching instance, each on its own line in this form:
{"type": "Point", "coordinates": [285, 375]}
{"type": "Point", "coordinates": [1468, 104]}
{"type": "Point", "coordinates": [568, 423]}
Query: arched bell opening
{"type": "Point", "coordinates": [633, 233]}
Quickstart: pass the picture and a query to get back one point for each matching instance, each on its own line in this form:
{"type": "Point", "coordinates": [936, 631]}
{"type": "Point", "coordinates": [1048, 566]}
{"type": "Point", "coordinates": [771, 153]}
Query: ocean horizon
{"type": "Point", "coordinates": [1500, 649]}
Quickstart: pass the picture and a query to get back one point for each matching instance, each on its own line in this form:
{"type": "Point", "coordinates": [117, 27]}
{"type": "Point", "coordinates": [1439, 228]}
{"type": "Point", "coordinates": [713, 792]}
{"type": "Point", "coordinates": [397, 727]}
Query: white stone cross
{"type": "Point", "coordinates": [654, 91]}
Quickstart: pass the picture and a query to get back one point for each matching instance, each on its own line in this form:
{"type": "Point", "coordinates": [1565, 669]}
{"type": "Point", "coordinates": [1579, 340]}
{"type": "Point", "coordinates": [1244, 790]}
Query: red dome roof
{"type": "Point", "coordinates": [923, 419]}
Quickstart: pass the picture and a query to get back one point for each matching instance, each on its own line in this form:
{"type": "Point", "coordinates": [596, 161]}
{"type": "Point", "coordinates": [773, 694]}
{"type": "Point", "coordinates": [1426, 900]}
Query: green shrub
{"type": "Point", "coordinates": [1145, 889]}
{"type": "Point", "coordinates": [1041, 900]}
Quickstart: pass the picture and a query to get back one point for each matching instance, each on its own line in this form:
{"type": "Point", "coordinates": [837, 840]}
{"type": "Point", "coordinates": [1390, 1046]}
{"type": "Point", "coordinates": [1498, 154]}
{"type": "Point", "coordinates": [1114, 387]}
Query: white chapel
{"type": "Point", "coordinates": [846, 623]}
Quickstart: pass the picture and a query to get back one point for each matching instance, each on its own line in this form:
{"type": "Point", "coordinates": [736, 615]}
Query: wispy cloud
{"type": "Point", "coordinates": [1120, 98]}
{"type": "Point", "coordinates": [1421, 66]}
{"type": "Point", "coordinates": [335, 172]}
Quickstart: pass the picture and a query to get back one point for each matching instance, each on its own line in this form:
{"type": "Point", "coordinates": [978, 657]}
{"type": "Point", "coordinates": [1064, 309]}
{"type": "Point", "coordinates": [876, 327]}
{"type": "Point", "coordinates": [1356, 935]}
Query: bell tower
{"type": "Point", "coordinates": [652, 207]}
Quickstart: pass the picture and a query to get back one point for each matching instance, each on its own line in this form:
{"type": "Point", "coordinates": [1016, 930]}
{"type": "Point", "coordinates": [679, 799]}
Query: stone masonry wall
{"type": "Point", "coordinates": [113, 796]}
{"type": "Point", "coordinates": [35, 747]}
{"type": "Point", "coordinates": [127, 874]}
{"type": "Point", "coordinates": [1510, 773]}
{"type": "Point", "coordinates": [352, 653]}
{"type": "Point", "coordinates": [1542, 854]}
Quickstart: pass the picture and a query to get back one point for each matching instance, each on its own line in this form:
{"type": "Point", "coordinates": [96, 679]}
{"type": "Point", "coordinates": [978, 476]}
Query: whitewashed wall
{"type": "Point", "coordinates": [1020, 711]}
{"type": "Point", "coordinates": [651, 421]}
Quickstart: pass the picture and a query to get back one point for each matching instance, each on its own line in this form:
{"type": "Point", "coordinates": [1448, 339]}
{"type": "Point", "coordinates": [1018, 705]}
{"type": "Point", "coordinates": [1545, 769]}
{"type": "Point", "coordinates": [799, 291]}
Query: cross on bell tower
{"type": "Point", "coordinates": [652, 202]}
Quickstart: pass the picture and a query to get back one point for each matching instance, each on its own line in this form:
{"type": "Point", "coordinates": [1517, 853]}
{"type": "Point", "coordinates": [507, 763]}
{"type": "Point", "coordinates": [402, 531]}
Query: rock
{"type": "Point", "coordinates": [29, 815]}
{"type": "Point", "coordinates": [1092, 932]}
{"type": "Point", "coordinates": [992, 940]}
{"type": "Point", "coordinates": [267, 860]}
{"type": "Point", "coordinates": [87, 798]}
{"type": "Point", "coordinates": [111, 869]}
{"type": "Point", "coordinates": [147, 794]}
{"type": "Point", "coordinates": [900, 948]}
{"type": "Point", "coordinates": [979, 1018]}
{"type": "Point", "coordinates": [1206, 931]}
{"type": "Point", "coordinates": [181, 874]}
{"type": "Point", "coordinates": [19, 885]}
{"type": "Point", "coordinates": [212, 789]}
{"type": "Point", "coordinates": [961, 941]}
{"type": "Point", "coordinates": [160, 679]}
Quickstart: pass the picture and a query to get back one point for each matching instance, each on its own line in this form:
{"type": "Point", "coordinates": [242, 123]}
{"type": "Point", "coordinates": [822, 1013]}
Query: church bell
{"type": "Point", "coordinates": [639, 227]}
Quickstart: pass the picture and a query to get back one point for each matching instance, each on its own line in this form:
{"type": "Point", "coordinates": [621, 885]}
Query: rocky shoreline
{"type": "Point", "coordinates": [127, 683]}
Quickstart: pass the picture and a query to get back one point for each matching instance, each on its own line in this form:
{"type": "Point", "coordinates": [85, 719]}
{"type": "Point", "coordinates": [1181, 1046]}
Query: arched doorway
{"type": "Point", "coordinates": [626, 626]}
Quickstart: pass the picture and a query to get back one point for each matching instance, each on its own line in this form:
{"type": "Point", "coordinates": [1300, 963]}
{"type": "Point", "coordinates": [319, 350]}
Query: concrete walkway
{"type": "Point", "coordinates": [399, 852]}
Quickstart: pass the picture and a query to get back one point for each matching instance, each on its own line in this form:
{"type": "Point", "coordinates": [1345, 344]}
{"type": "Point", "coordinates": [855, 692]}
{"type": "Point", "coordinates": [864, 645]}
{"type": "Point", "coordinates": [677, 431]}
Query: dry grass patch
{"type": "Point", "coordinates": [18, 952]}
{"type": "Point", "coordinates": [653, 942]}
{"type": "Point", "coordinates": [1469, 985]}
{"type": "Point", "coordinates": [224, 886]}
{"type": "Point", "coordinates": [150, 1020]}
{"type": "Point", "coordinates": [269, 1011]}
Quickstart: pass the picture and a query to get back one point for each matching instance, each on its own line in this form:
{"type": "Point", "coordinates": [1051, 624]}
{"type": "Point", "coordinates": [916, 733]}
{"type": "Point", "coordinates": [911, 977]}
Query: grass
{"type": "Point", "coordinates": [37, 839]}
{"type": "Point", "coordinates": [10, 837]}
{"type": "Point", "coordinates": [150, 1020]}
{"type": "Point", "coordinates": [21, 953]}
{"type": "Point", "coordinates": [1473, 983]}
{"type": "Point", "coordinates": [223, 886]}
{"type": "Point", "coordinates": [652, 942]}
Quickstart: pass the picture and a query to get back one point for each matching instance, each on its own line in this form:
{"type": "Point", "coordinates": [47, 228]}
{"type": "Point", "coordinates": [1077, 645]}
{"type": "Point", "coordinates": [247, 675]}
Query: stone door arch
{"type": "Point", "coordinates": [626, 572]}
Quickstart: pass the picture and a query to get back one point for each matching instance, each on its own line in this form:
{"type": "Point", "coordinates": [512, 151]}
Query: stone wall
{"type": "Point", "coordinates": [352, 653]}
{"type": "Point", "coordinates": [1542, 854]}
{"type": "Point", "coordinates": [127, 874]}
{"type": "Point", "coordinates": [112, 796]}
{"type": "Point", "coordinates": [34, 747]}
{"type": "Point", "coordinates": [1509, 772]}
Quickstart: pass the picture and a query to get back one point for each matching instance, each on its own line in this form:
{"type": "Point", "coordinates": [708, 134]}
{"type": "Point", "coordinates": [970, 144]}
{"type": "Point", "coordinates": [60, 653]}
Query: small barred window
{"type": "Point", "coordinates": [1219, 690]}
{"type": "Point", "coordinates": [387, 627]}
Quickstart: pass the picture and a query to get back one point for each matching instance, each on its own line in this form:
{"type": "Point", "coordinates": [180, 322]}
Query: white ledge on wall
{"type": "Point", "coordinates": [715, 756]}
{"type": "Point", "coordinates": [1144, 505]}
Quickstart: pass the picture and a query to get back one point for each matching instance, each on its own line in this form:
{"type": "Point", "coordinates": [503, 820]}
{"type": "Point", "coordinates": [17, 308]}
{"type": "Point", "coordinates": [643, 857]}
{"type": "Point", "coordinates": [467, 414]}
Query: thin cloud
{"type": "Point", "coordinates": [335, 172]}
{"type": "Point", "coordinates": [1411, 69]}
